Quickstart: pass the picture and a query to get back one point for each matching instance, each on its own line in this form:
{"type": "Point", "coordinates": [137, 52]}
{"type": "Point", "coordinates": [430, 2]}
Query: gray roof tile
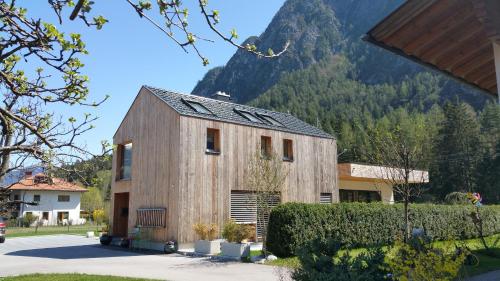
{"type": "Point", "coordinates": [225, 112]}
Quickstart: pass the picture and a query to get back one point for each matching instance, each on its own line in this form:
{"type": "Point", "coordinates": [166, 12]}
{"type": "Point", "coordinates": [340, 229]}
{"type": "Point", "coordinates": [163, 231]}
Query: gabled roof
{"type": "Point", "coordinates": [29, 183]}
{"type": "Point", "coordinates": [231, 113]}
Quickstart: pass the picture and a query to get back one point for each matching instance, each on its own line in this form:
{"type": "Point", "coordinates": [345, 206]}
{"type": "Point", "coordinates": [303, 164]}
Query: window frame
{"type": "Point", "coordinates": [249, 116]}
{"type": "Point", "coordinates": [35, 196]}
{"type": "Point", "coordinates": [194, 104]}
{"type": "Point", "coordinates": [60, 196]}
{"type": "Point", "coordinates": [269, 119]}
{"type": "Point", "coordinates": [216, 142]}
{"type": "Point", "coordinates": [122, 148]}
{"type": "Point", "coordinates": [288, 150]}
{"type": "Point", "coordinates": [266, 146]}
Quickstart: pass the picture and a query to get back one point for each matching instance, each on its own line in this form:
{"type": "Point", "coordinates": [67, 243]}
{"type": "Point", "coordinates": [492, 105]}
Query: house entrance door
{"type": "Point", "coordinates": [120, 214]}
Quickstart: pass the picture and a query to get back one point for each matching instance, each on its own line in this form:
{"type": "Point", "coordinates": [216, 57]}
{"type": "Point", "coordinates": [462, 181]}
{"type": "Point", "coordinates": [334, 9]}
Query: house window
{"type": "Point", "coordinates": [36, 198]}
{"type": "Point", "coordinates": [213, 141]}
{"type": "Point", "coordinates": [287, 150]}
{"type": "Point", "coordinates": [269, 119]}
{"type": "Point", "coordinates": [359, 196]}
{"type": "Point", "coordinates": [265, 146]}
{"type": "Point", "coordinates": [249, 116]}
{"type": "Point", "coordinates": [16, 197]}
{"type": "Point", "coordinates": [63, 198]}
{"type": "Point", "coordinates": [151, 217]}
{"type": "Point", "coordinates": [325, 198]}
{"type": "Point", "coordinates": [45, 216]}
{"type": "Point", "coordinates": [62, 216]}
{"type": "Point", "coordinates": [125, 160]}
{"type": "Point", "coordinates": [198, 107]}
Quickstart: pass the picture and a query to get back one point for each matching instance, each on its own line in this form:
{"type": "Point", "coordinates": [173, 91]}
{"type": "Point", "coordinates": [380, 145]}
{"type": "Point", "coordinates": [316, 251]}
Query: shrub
{"type": "Point", "coordinates": [236, 233]}
{"type": "Point", "coordinates": [99, 216]}
{"type": "Point", "coordinates": [320, 260]}
{"type": "Point", "coordinates": [362, 224]}
{"type": "Point", "coordinates": [206, 231]}
{"type": "Point", "coordinates": [418, 260]}
{"type": "Point", "coordinates": [456, 198]}
{"type": "Point", "coordinates": [29, 219]}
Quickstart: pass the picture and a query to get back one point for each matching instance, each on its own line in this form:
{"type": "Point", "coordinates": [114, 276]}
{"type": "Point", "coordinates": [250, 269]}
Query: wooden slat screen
{"type": "Point", "coordinates": [151, 217]}
{"type": "Point", "coordinates": [325, 198]}
{"type": "Point", "coordinates": [243, 207]}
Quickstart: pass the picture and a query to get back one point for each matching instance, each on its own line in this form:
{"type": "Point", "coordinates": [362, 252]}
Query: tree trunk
{"type": "Point", "coordinates": [406, 220]}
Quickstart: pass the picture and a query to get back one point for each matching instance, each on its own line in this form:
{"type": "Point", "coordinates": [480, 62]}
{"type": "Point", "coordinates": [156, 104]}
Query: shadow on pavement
{"type": "Point", "coordinates": [75, 252]}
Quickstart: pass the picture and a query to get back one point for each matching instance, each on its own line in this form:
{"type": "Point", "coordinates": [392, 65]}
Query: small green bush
{"type": "Point", "coordinates": [368, 224]}
{"type": "Point", "coordinates": [456, 198]}
{"type": "Point", "coordinates": [320, 260]}
{"type": "Point", "coordinates": [29, 219]}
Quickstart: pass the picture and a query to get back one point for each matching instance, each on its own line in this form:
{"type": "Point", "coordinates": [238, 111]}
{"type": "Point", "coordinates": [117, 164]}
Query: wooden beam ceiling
{"type": "Point", "coordinates": [451, 36]}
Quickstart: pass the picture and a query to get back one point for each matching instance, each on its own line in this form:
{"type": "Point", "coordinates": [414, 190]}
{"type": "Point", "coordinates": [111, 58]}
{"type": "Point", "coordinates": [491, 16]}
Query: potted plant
{"type": "Point", "coordinates": [236, 235]}
{"type": "Point", "coordinates": [207, 245]}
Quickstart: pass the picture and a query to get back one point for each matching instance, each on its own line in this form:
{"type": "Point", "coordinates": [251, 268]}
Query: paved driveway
{"type": "Point", "coordinates": [68, 254]}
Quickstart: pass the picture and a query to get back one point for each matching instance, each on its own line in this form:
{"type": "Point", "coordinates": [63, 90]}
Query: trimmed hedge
{"type": "Point", "coordinates": [368, 224]}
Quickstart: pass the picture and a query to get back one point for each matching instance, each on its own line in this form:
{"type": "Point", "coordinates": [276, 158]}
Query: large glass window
{"type": "Point", "coordinates": [125, 155]}
{"type": "Point", "coordinates": [359, 196]}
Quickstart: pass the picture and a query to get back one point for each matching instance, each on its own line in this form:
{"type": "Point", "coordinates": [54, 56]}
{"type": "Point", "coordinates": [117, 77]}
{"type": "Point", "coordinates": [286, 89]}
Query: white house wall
{"type": "Point", "coordinates": [48, 203]}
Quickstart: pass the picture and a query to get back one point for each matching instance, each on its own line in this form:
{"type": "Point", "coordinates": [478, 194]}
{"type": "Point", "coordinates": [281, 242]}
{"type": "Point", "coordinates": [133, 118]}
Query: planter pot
{"type": "Point", "coordinates": [105, 240]}
{"type": "Point", "coordinates": [235, 251]}
{"type": "Point", "coordinates": [206, 247]}
{"type": "Point", "coordinates": [90, 234]}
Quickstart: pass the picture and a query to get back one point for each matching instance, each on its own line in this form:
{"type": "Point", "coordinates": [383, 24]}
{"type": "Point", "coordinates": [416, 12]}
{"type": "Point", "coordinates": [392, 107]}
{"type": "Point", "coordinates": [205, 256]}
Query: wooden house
{"type": "Point", "coordinates": [182, 159]}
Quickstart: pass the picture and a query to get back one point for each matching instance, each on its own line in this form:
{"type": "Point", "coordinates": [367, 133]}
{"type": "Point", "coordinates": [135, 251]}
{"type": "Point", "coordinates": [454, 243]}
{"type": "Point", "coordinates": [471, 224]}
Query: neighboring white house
{"type": "Point", "coordinates": [369, 183]}
{"type": "Point", "coordinates": [58, 201]}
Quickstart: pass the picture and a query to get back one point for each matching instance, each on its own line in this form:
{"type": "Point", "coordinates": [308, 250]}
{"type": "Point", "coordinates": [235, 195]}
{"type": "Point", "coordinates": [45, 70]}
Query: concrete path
{"type": "Point", "coordinates": [76, 254]}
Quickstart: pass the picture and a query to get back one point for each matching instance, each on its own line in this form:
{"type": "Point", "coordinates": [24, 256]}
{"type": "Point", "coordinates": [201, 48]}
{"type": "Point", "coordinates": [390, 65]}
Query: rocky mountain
{"type": "Point", "coordinates": [317, 30]}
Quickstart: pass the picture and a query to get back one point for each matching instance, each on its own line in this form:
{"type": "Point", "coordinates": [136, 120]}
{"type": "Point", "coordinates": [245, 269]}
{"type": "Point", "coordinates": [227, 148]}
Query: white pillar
{"type": "Point", "coordinates": [496, 51]}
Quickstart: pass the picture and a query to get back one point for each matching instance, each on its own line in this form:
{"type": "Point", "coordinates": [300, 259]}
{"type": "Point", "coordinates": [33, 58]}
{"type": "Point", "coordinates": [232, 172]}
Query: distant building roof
{"type": "Point", "coordinates": [454, 37]}
{"type": "Point", "coordinates": [206, 108]}
{"type": "Point", "coordinates": [40, 182]}
{"type": "Point", "coordinates": [365, 172]}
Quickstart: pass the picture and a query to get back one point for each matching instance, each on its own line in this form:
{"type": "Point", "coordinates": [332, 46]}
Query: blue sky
{"type": "Point", "coordinates": [129, 52]}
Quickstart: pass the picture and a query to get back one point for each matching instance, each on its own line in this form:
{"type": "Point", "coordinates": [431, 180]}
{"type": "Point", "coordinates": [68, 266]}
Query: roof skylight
{"type": "Point", "coordinates": [198, 107]}
{"type": "Point", "coordinates": [269, 119]}
{"type": "Point", "coordinates": [248, 116]}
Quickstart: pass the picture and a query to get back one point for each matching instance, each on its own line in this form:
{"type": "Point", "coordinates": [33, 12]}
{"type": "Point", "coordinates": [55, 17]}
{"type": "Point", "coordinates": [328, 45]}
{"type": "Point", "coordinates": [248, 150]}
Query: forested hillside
{"type": "Point", "coordinates": [331, 78]}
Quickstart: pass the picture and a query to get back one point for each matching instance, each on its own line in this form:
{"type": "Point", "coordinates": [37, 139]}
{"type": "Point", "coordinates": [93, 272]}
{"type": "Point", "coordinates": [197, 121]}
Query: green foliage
{"type": "Point", "coordinates": [28, 219]}
{"type": "Point", "coordinates": [92, 200]}
{"type": "Point", "coordinates": [361, 224]}
{"type": "Point", "coordinates": [320, 260]}
{"type": "Point", "coordinates": [236, 233]}
{"type": "Point", "coordinates": [456, 198]}
{"type": "Point", "coordinates": [418, 260]}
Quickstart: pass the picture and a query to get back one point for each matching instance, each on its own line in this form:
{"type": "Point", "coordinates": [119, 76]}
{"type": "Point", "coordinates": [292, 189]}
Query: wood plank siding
{"type": "Point", "coordinates": [207, 180]}
{"type": "Point", "coordinates": [171, 168]}
{"type": "Point", "coordinates": [153, 128]}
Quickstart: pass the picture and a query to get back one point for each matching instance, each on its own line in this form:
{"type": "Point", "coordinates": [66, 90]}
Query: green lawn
{"type": "Point", "coordinates": [49, 230]}
{"type": "Point", "coordinates": [486, 263]}
{"type": "Point", "coordinates": [69, 277]}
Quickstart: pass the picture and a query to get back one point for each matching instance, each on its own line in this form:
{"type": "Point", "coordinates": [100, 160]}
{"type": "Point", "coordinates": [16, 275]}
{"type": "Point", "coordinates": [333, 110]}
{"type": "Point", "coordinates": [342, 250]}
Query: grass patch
{"type": "Point", "coordinates": [486, 262]}
{"type": "Point", "coordinates": [50, 230]}
{"type": "Point", "coordinates": [69, 277]}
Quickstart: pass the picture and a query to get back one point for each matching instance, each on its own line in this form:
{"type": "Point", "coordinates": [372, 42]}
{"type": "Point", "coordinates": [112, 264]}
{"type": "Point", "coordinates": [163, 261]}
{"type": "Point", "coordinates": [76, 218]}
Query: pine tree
{"type": "Point", "coordinates": [457, 151]}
